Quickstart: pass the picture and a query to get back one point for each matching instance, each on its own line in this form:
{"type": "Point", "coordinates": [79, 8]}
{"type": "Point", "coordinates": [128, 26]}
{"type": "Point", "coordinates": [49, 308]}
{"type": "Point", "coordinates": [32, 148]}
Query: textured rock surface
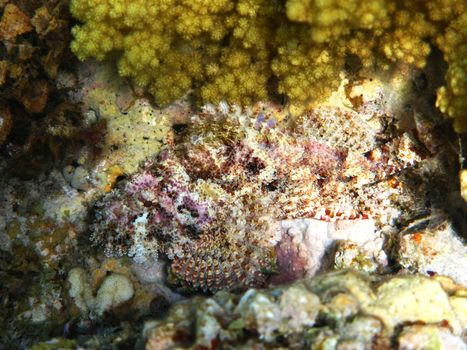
{"type": "Point", "coordinates": [340, 310]}
{"type": "Point", "coordinates": [435, 249]}
{"type": "Point", "coordinates": [412, 299]}
{"type": "Point", "coordinates": [429, 337]}
{"type": "Point", "coordinates": [134, 130]}
{"type": "Point", "coordinates": [115, 290]}
{"type": "Point", "coordinates": [309, 246]}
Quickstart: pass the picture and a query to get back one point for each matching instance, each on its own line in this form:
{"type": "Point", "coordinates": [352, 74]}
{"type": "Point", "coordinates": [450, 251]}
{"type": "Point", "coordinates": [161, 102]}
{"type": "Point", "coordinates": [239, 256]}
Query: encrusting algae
{"type": "Point", "coordinates": [241, 50]}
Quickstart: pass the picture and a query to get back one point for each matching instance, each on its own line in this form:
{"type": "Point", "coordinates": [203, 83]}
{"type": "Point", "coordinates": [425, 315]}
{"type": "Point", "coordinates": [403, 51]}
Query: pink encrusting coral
{"type": "Point", "coordinates": [213, 200]}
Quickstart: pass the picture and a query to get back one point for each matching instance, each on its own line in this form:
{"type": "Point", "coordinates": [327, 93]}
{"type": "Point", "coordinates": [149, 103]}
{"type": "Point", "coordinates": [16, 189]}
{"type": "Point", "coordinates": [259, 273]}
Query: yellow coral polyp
{"type": "Point", "coordinates": [230, 49]}
{"type": "Point", "coordinates": [452, 98]}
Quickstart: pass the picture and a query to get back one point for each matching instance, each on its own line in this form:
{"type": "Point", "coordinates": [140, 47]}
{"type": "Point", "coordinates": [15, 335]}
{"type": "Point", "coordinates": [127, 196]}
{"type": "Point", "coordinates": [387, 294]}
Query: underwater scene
{"type": "Point", "coordinates": [233, 174]}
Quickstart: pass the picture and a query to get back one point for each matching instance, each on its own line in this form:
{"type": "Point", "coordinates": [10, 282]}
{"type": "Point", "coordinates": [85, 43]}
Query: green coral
{"type": "Point", "coordinates": [235, 50]}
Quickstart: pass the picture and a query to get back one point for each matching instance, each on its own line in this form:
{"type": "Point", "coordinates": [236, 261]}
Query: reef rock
{"type": "Point", "coordinates": [434, 250]}
{"type": "Point", "coordinates": [115, 290]}
{"type": "Point", "coordinates": [339, 311]}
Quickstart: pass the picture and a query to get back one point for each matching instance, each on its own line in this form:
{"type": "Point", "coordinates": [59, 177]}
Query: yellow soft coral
{"type": "Point", "coordinates": [452, 98]}
{"type": "Point", "coordinates": [96, 41]}
{"type": "Point", "coordinates": [306, 72]}
{"type": "Point", "coordinates": [333, 19]}
{"type": "Point", "coordinates": [240, 77]}
{"type": "Point", "coordinates": [406, 43]}
{"type": "Point", "coordinates": [239, 50]}
{"type": "Point", "coordinates": [195, 17]}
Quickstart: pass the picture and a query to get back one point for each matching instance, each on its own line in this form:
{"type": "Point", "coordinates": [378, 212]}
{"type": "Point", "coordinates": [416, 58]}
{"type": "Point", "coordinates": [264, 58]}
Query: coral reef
{"type": "Point", "coordinates": [337, 311]}
{"type": "Point", "coordinates": [213, 200]}
{"type": "Point", "coordinates": [107, 288]}
{"type": "Point", "coordinates": [39, 126]}
{"type": "Point", "coordinates": [229, 197]}
{"type": "Point", "coordinates": [235, 50]}
{"type": "Point", "coordinates": [44, 215]}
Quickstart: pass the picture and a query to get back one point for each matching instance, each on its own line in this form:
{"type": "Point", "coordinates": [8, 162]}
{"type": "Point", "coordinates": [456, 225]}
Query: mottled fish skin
{"type": "Point", "coordinates": [212, 200]}
{"type": "Point", "coordinates": [217, 270]}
